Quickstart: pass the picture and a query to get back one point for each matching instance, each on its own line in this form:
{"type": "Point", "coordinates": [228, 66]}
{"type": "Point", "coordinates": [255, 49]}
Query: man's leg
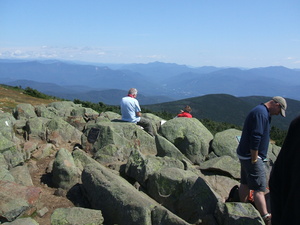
{"type": "Point", "coordinates": [244, 189]}
{"type": "Point", "coordinates": [146, 124]}
{"type": "Point", "coordinates": [260, 202]}
{"type": "Point", "coordinates": [244, 193]}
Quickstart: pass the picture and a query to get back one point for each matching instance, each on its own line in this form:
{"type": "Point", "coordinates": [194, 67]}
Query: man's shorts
{"type": "Point", "coordinates": [254, 175]}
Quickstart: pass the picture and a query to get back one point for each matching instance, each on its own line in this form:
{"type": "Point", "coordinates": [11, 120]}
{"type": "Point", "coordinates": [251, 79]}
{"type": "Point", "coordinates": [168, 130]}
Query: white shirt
{"type": "Point", "coordinates": [129, 107]}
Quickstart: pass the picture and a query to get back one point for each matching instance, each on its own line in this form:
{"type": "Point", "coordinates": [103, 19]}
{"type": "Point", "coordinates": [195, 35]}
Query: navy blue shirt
{"type": "Point", "coordinates": [256, 133]}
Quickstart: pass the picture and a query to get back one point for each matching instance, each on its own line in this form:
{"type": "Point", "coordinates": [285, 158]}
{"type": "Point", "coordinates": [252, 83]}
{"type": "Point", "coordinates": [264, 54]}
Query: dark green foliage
{"type": "Point", "coordinates": [215, 127]}
{"type": "Point", "coordinates": [18, 88]}
{"type": "Point", "coordinates": [37, 94]}
{"type": "Point", "coordinates": [163, 114]}
{"type": "Point", "coordinates": [99, 107]}
{"type": "Point", "coordinates": [278, 135]}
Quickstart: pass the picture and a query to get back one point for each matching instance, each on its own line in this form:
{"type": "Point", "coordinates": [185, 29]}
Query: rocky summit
{"type": "Point", "coordinates": [105, 171]}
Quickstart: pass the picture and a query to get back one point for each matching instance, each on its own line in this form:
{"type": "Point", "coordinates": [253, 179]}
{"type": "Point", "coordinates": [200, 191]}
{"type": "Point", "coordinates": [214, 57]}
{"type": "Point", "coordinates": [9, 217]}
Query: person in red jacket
{"type": "Point", "coordinates": [186, 112]}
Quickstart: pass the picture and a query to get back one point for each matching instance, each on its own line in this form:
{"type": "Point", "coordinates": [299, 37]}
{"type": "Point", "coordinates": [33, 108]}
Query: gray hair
{"type": "Point", "coordinates": [132, 91]}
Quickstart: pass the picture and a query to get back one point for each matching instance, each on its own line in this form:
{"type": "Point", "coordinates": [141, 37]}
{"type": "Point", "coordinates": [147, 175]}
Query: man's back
{"type": "Point", "coordinates": [255, 132]}
{"type": "Point", "coordinates": [129, 107]}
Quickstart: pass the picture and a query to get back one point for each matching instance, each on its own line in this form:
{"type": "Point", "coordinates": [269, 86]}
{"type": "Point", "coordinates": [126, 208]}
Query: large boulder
{"type": "Point", "coordinates": [16, 199]}
{"type": "Point", "coordinates": [226, 142]}
{"type": "Point", "coordinates": [182, 192]}
{"type": "Point", "coordinates": [140, 166]}
{"type": "Point", "coordinates": [24, 110]}
{"type": "Point", "coordinates": [190, 136]}
{"type": "Point", "coordinates": [221, 184]}
{"type": "Point", "coordinates": [120, 202]}
{"type": "Point", "coordinates": [11, 152]}
{"type": "Point", "coordinates": [111, 116]}
{"type": "Point", "coordinates": [155, 121]}
{"type": "Point", "coordinates": [59, 132]}
{"type": "Point", "coordinates": [236, 213]}
{"type": "Point", "coordinates": [63, 108]}
{"type": "Point", "coordinates": [38, 128]}
{"type": "Point", "coordinates": [166, 148]}
{"type": "Point", "coordinates": [224, 165]}
{"type": "Point", "coordinates": [113, 141]}
{"type": "Point", "coordinates": [21, 175]}
{"type": "Point", "coordinates": [46, 111]}
{"type": "Point", "coordinates": [7, 122]}
{"type": "Point", "coordinates": [65, 173]}
{"type": "Point", "coordinates": [5, 175]}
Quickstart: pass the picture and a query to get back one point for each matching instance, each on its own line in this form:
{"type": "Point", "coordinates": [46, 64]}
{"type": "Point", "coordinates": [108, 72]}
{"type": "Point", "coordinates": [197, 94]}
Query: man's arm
{"type": "Point", "coordinates": [138, 114]}
{"type": "Point", "coordinates": [254, 155]}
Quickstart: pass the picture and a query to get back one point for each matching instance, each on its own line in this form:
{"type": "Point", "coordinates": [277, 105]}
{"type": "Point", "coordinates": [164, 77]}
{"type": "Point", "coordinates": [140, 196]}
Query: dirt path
{"type": "Point", "coordinates": [49, 199]}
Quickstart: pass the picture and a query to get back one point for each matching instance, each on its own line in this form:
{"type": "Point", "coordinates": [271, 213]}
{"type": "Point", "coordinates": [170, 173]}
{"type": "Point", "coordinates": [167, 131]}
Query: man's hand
{"type": "Point", "coordinates": [138, 114]}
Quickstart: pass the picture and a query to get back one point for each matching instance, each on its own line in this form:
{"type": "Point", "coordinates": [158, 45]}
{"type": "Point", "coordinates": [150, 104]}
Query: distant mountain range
{"type": "Point", "coordinates": [157, 82]}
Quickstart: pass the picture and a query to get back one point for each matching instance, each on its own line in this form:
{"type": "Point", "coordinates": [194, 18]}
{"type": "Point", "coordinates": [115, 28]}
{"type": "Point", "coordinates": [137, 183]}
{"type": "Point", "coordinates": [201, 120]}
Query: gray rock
{"type": "Point", "coordinates": [225, 143]}
{"type": "Point", "coordinates": [236, 213]}
{"type": "Point", "coordinates": [5, 175]}
{"type": "Point", "coordinates": [166, 148]}
{"type": "Point", "coordinates": [17, 199]}
{"type": "Point", "coordinates": [76, 215]}
{"type": "Point", "coordinates": [43, 151]}
{"type": "Point", "coordinates": [224, 165]}
{"type": "Point", "coordinates": [121, 136]}
{"type": "Point", "coordinates": [22, 221]}
{"type": "Point", "coordinates": [221, 184]}
{"type": "Point", "coordinates": [140, 166]}
{"type": "Point", "coordinates": [63, 108]}
{"type": "Point", "coordinates": [46, 112]}
{"type": "Point", "coordinates": [189, 136]}
{"type": "Point", "coordinates": [170, 186]}
{"type": "Point", "coordinates": [13, 155]}
{"type": "Point", "coordinates": [21, 175]}
{"type": "Point", "coordinates": [155, 121]}
{"type": "Point", "coordinates": [59, 132]}
{"type": "Point", "coordinates": [7, 122]}
{"type": "Point", "coordinates": [38, 128]}
{"type": "Point", "coordinates": [65, 173]}
{"type": "Point", "coordinates": [24, 110]}
{"type": "Point", "coordinates": [120, 202]}
{"type": "Point", "coordinates": [3, 163]}
{"type": "Point", "coordinates": [76, 121]}
{"type": "Point", "coordinates": [109, 115]}
{"type": "Point", "coordinates": [6, 144]}
{"type": "Point", "coordinates": [197, 202]}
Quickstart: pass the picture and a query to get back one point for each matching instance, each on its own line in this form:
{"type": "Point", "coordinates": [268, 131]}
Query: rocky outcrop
{"type": "Point", "coordinates": [183, 175]}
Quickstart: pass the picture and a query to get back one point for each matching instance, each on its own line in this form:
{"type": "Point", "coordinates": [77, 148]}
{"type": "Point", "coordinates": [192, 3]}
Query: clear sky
{"type": "Point", "coordinates": [234, 33]}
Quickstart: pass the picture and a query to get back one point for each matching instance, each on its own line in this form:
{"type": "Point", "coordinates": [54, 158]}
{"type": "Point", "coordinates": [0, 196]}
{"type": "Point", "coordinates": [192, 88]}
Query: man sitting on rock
{"type": "Point", "coordinates": [131, 111]}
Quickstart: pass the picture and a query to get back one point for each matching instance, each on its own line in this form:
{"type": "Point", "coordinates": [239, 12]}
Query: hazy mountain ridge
{"type": "Point", "coordinates": [163, 81]}
{"type": "Point", "coordinates": [227, 108]}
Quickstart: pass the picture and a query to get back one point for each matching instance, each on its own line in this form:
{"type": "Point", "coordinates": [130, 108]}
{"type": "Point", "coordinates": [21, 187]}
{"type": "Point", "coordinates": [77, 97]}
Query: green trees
{"type": "Point", "coordinates": [37, 94]}
{"type": "Point", "coordinates": [99, 107]}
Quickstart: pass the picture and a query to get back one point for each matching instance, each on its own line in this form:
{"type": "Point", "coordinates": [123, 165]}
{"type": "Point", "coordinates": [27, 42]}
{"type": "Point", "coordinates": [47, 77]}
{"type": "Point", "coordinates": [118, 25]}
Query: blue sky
{"type": "Point", "coordinates": [234, 33]}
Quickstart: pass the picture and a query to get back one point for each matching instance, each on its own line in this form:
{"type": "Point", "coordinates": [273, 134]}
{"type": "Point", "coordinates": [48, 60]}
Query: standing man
{"type": "Point", "coordinates": [131, 111]}
{"type": "Point", "coordinates": [253, 149]}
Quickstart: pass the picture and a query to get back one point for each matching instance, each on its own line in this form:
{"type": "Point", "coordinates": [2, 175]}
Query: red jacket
{"type": "Point", "coordinates": [185, 114]}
